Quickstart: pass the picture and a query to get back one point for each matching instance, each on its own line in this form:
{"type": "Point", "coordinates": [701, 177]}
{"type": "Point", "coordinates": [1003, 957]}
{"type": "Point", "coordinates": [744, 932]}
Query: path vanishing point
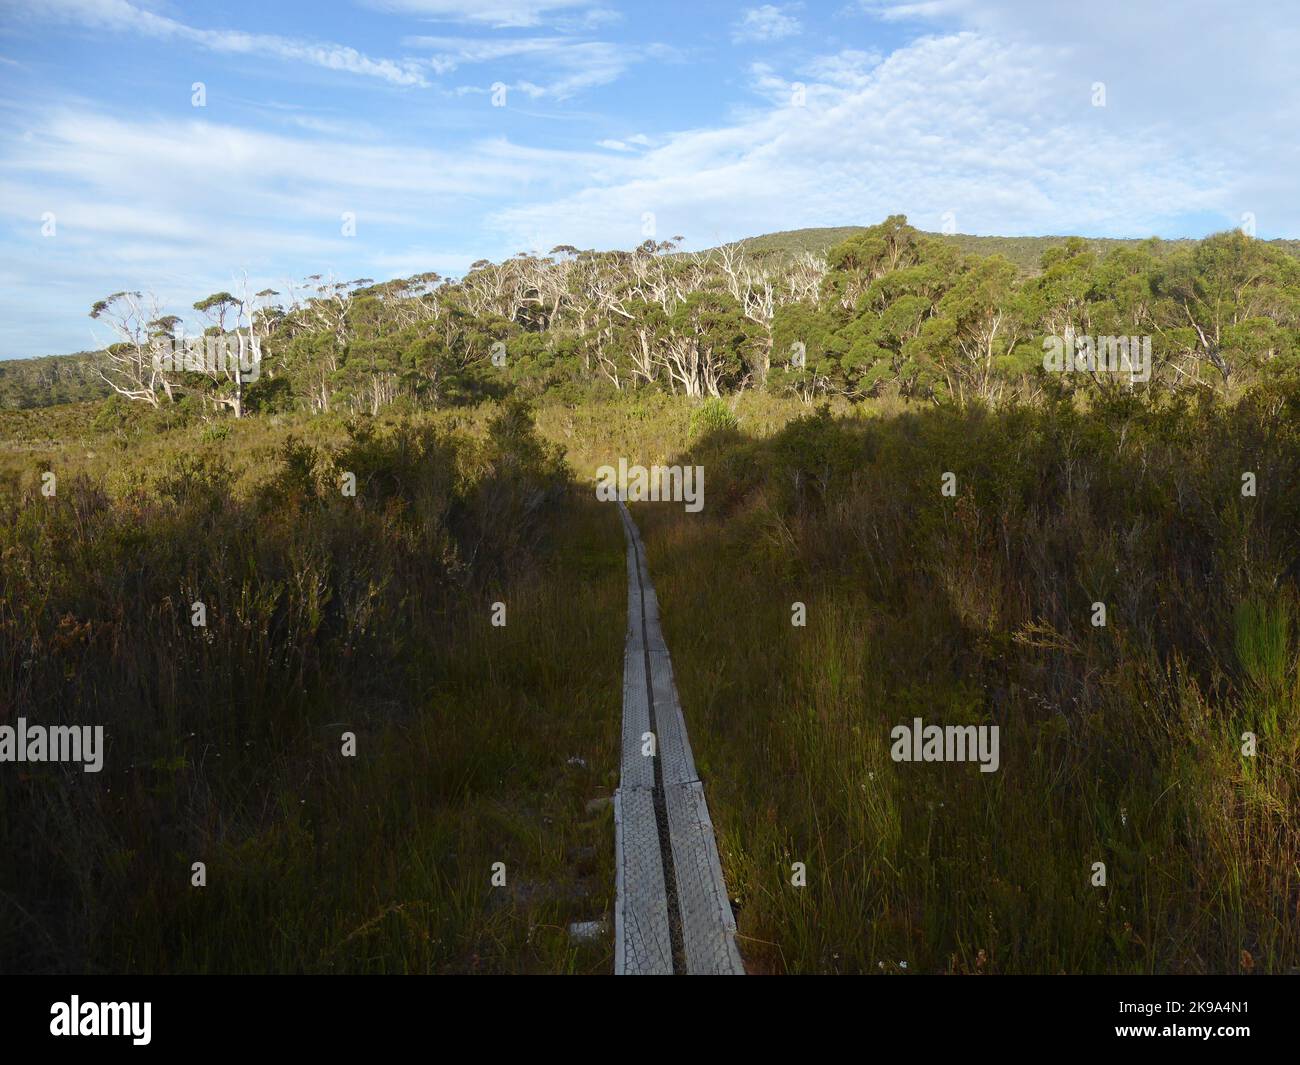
{"type": "Point", "coordinates": [672, 914]}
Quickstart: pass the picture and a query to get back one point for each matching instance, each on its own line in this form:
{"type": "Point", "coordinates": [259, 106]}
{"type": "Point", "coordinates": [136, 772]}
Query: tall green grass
{"type": "Point", "coordinates": [478, 744]}
{"type": "Point", "coordinates": [326, 614]}
{"type": "Point", "coordinates": [1120, 745]}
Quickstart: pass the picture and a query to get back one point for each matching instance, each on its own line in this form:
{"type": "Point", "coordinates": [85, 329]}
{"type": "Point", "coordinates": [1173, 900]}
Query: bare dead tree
{"type": "Point", "coordinates": [132, 369]}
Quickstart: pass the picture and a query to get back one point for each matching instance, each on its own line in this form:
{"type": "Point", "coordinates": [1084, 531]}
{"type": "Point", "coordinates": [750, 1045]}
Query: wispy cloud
{"type": "Point", "coordinates": [765, 23]}
{"type": "Point", "coordinates": [503, 14]}
{"type": "Point", "coordinates": [559, 67]}
{"type": "Point", "coordinates": [984, 110]}
{"type": "Point", "coordinates": [181, 206]}
{"type": "Point", "coordinates": [627, 144]}
{"type": "Point", "coordinates": [121, 16]}
{"type": "Point", "coordinates": [956, 124]}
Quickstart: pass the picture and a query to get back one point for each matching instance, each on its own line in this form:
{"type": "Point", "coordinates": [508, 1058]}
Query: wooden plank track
{"type": "Point", "coordinates": [671, 914]}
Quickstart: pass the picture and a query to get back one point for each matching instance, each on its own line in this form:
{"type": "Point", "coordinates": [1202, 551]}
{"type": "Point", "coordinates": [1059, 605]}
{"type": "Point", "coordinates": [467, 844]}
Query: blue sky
{"type": "Point", "coordinates": [706, 119]}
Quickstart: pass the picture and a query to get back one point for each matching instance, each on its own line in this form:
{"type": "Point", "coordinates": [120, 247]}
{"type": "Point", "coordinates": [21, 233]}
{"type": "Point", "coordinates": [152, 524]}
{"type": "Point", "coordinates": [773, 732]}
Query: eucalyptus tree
{"type": "Point", "coordinates": [970, 346]}
{"type": "Point", "coordinates": [1229, 301]}
{"type": "Point", "coordinates": [130, 367]}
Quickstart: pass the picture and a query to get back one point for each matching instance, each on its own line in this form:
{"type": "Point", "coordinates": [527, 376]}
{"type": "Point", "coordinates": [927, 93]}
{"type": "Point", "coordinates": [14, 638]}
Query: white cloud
{"type": "Point", "coordinates": [850, 68]}
{"type": "Point", "coordinates": [1208, 77]}
{"type": "Point", "coordinates": [766, 23]}
{"type": "Point", "coordinates": [626, 144]}
{"type": "Point", "coordinates": [498, 13]}
{"type": "Point", "coordinates": [958, 123]}
{"type": "Point", "coordinates": [573, 65]}
{"type": "Point", "coordinates": [121, 16]}
{"type": "Point", "coordinates": [181, 207]}
{"type": "Point", "coordinates": [1200, 60]}
{"type": "Point", "coordinates": [988, 116]}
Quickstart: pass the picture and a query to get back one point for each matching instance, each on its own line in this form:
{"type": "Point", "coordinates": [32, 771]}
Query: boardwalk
{"type": "Point", "coordinates": [672, 914]}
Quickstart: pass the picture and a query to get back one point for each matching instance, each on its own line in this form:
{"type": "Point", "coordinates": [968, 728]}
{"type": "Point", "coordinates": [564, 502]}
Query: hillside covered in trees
{"type": "Point", "coordinates": [887, 309]}
{"type": "Point", "coordinates": [51, 380]}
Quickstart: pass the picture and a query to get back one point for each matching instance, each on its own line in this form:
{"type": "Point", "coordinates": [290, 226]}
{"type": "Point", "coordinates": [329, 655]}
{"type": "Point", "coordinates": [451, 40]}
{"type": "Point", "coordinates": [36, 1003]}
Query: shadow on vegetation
{"type": "Point", "coordinates": [324, 613]}
{"type": "Point", "coordinates": [1120, 744]}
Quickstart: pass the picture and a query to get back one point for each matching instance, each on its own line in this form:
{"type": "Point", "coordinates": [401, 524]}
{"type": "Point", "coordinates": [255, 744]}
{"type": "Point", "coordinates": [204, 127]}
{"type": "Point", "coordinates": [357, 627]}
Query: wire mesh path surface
{"type": "Point", "coordinates": [671, 915]}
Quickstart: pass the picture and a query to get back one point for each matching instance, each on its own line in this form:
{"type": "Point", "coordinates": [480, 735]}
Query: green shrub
{"type": "Point", "coordinates": [1263, 637]}
{"type": "Point", "coordinates": [713, 416]}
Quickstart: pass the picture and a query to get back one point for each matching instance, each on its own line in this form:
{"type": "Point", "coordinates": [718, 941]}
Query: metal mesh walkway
{"type": "Point", "coordinates": [672, 914]}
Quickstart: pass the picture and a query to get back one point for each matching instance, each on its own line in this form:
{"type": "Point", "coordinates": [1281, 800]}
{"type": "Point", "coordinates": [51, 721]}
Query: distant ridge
{"type": "Point", "coordinates": [1025, 252]}
{"type": "Point", "coordinates": [48, 380]}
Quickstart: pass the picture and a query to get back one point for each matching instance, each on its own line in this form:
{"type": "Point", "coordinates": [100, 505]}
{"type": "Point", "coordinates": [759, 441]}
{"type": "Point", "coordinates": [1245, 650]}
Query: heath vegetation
{"type": "Point", "coordinates": [233, 573]}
